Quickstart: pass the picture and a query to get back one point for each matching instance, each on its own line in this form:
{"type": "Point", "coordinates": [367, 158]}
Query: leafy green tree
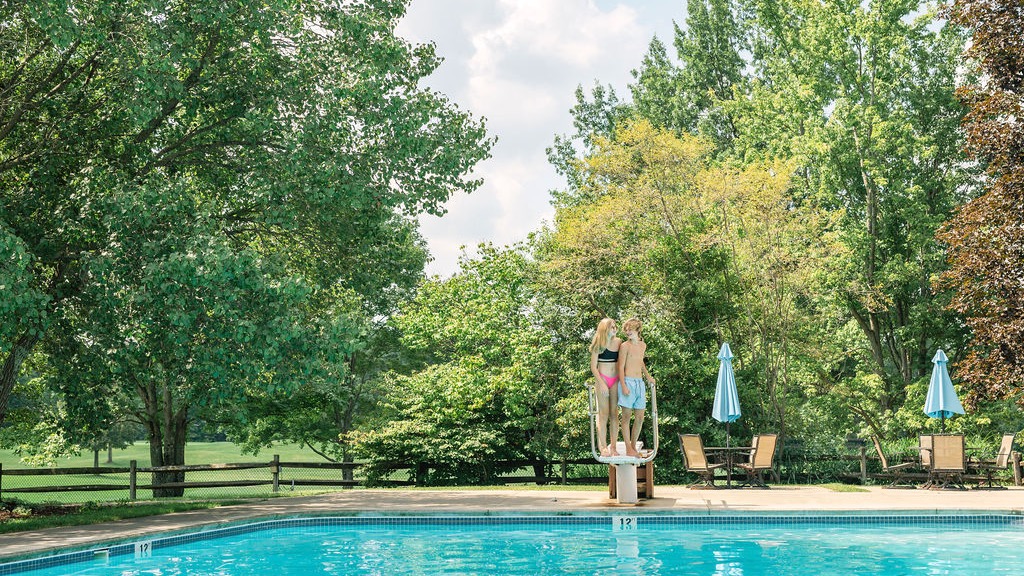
{"type": "Point", "coordinates": [182, 186]}
{"type": "Point", "coordinates": [657, 94]}
{"type": "Point", "coordinates": [481, 386]}
{"type": "Point", "coordinates": [591, 118]}
{"type": "Point", "coordinates": [777, 251]}
{"type": "Point", "coordinates": [637, 247]}
{"type": "Point", "coordinates": [688, 97]}
{"type": "Point", "coordinates": [862, 96]}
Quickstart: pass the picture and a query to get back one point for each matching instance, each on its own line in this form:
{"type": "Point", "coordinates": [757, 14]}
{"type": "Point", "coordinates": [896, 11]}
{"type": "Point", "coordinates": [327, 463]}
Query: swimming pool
{"type": "Point", "coordinates": [622, 544]}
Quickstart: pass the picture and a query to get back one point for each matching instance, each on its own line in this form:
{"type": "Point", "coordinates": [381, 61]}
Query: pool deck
{"type": "Point", "coordinates": [668, 499]}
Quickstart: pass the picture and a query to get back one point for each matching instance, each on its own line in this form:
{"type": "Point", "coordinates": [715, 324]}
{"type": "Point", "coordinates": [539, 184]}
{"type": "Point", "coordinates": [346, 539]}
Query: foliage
{"type": "Point", "coordinates": [860, 97]}
{"type": "Point", "coordinates": [777, 251]}
{"type": "Point", "coordinates": [480, 386]}
{"type": "Point", "coordinates": [203, 203]}
{"type": "Point", "coordinates": [820, 280]}
{"type": "Point", "coordinates": [985, 237]}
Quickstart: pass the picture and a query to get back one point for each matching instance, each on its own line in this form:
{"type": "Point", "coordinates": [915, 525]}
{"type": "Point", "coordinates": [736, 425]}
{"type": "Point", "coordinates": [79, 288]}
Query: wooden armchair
{"type": "Point", "coordinates": [696, 460]}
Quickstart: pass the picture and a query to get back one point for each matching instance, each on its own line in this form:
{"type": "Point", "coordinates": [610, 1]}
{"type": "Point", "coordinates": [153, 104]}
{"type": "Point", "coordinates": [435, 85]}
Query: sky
{"type": "Point", "coordinates": [517, 64]}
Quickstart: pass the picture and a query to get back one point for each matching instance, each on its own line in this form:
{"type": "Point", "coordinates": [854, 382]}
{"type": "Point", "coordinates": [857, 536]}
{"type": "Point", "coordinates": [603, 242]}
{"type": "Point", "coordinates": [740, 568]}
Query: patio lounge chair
{"type": "Point", "coordinates": [925, 448]}
{"type": "Point", "coordinates": [948, 462]}
{"type": "Point", "coordinates": [696, 460]}
{"type": "Point", "coordinates": [1000, 462]}
{"type": "Point", "coordinates": [761, 456]}
{"type": "Point", "coordinates": [895, 470]}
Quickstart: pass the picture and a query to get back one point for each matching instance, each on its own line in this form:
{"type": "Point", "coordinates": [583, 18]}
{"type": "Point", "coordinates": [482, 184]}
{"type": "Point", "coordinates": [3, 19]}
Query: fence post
{"type": "Point", "coordinates": [863, 465]}
{"type": "Point", "coordinates": [563, 472]}
{"type": "Point", "coordinates": [1, 479]}
{"type": "Point", "coordinates": [275, 469]}
{"type": "Point", "coordinates": [133, 482]}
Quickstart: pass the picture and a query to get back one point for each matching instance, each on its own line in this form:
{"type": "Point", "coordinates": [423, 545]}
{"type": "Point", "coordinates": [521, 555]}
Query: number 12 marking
{"type": "Point", "coordinates": [623, 523]}
{"type": "Point", "coordinates": [143, 549]}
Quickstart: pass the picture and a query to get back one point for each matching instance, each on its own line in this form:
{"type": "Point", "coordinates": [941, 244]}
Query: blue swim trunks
{"type": "Point", "coordinates": [637, 397]}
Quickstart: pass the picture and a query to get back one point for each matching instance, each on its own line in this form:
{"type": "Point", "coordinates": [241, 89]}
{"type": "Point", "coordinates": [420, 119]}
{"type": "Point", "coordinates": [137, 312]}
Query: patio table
{"type": "Point", "coordinates": [728, 452]}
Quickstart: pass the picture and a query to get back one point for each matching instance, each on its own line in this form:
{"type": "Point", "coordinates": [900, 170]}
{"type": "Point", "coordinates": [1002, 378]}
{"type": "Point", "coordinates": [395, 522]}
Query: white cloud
{"type": "Point", "coordinates": [517, 63]}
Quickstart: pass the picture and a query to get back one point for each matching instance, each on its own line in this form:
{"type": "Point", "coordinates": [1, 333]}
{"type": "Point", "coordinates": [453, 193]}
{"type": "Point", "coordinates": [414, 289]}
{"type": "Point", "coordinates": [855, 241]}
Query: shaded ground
{"type": "Point", "coordinates": [11, 510]}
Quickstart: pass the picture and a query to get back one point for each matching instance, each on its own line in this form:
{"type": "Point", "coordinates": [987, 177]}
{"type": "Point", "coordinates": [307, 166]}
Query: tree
{"type": "Point", "coordinates": [187, 184]}
{"type": "Point", "coordinates": [862, 96]}
{"type": "Point", "coordinates": [481, 386]}
{"type": "Point", "coordinates": [634, 245]}
{"type": "Point", "coordinates": [985, 237]}
{"type": "Point", "coordinates": [591, 118]}
{"type": "Point", "coordinates": [777, 251]}
{"type": "Point", "coordinates": [656, 94]}
{"type": "Point", "coordinates": [688, 97]}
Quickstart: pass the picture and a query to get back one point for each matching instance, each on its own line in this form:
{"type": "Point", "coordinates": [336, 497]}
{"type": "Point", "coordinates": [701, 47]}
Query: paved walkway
{"type": "Point", "coordinates": [668, 499]}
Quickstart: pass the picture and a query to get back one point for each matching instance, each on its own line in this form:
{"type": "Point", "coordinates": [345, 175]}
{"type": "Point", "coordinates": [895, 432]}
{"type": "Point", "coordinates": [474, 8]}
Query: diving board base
{"type": "Point", "coordinates": [629, 478]}
{"type": "Point", "coordinates": [625, 483]}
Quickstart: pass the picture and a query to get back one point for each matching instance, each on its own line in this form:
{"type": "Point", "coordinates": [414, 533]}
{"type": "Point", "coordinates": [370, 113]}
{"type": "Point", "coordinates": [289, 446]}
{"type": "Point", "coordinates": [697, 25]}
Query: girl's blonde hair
{"type": "Point", "coordinates": [602, 336]}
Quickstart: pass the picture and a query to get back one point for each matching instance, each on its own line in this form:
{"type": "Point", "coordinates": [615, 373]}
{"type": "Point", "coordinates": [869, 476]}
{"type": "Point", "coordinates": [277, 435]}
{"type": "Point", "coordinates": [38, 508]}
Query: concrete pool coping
{"type": "Point", "coordinates": [667, 500]}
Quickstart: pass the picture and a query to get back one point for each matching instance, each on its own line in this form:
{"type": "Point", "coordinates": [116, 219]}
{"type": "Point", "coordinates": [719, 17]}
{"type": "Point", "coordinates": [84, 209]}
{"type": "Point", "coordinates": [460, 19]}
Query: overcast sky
{"type": "Point", "coordinates": [517, 63]}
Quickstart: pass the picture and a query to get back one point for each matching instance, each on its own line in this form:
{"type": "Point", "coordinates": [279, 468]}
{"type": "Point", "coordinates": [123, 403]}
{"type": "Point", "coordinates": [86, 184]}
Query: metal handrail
{"type": "Point", "coordinates": [592, 408]}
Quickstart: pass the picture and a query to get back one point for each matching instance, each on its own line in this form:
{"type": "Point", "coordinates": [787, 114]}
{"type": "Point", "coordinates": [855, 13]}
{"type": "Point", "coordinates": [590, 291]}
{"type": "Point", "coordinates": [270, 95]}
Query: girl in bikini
{"type": "Point", "coordinates": [604, 357]}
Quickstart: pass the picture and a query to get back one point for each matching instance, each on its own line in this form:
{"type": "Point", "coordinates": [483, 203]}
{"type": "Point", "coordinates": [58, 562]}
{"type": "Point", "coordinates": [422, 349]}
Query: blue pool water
{"type": "Point", "coordinates": [495, 546]}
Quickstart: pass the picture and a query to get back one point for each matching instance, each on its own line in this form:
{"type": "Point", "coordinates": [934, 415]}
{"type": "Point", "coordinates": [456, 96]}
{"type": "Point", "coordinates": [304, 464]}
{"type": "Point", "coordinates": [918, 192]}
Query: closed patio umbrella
{"type": "Point", "coordinates": [727, 400]}
{"type": "Point", "coordinates": [941, 401]}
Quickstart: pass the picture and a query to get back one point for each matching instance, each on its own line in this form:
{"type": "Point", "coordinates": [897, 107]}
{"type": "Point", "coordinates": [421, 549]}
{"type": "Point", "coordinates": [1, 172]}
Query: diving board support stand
{"type": "Point", "coordinates": [624, 477]}
{"type": "Point", "coordinates": [625, 483]}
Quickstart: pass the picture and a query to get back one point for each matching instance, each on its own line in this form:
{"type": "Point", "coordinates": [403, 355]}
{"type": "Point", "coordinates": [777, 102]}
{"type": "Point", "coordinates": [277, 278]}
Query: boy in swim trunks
{"type": "Point", "coordinates": [632, 393]}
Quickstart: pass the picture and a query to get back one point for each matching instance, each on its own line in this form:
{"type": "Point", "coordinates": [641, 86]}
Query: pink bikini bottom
{"type": "Point", "coordinates": [610, 380]}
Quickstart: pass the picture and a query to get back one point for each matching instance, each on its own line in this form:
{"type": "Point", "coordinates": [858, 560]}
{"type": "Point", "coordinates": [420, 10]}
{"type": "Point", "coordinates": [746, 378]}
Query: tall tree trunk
{"type": "Point", "coordinates": [167, 430]}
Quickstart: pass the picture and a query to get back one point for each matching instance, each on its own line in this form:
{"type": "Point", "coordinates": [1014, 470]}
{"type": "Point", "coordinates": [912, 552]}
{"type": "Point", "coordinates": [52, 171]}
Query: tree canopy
{"type": "Point", "coordinates": [200, 198]}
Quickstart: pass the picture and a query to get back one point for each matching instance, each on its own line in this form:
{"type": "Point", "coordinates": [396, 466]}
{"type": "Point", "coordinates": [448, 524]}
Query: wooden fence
{"type": "Point", "coordinates": [131, 484]}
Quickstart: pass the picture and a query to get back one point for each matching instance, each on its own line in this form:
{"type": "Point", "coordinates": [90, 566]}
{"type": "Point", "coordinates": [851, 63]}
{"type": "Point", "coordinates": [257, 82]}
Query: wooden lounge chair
{"type": "Point", "coordinates": [696, 460]}
{"type": "Point", "coordinates": [895, 470]}
{"type": "Point", "coordinates": [1000, 462]}
{"type": "Point", "coordinates": [762, 455]}
{"type": "Point", "coordinates": [948, 462]}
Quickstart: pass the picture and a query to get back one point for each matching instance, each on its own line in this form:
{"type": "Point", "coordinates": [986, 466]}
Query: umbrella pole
{"type": "Point", "coordinates": [728, 459]}
{"type": "Point", "coordinates": [943, 425]}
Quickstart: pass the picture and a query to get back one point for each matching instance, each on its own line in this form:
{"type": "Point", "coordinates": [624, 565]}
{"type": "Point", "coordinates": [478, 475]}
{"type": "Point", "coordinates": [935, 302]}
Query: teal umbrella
{"type": "Point", "coordinates": [727, 400]}
{"type": "Point", "coordinates": [941, 401]}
